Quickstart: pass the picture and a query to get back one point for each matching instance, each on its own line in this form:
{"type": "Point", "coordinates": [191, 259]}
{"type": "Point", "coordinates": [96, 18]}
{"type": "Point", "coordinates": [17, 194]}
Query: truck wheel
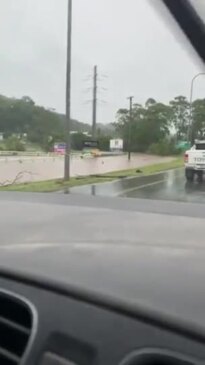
{"type": "Point", "coordinates": [189, 175]}
{"type": "Point", "coordinates": [200, 176]}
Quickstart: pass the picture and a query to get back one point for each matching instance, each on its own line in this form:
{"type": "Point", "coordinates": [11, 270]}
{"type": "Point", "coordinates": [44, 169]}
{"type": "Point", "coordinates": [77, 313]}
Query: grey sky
{"type": "Point", "coordinates": [127, 39]}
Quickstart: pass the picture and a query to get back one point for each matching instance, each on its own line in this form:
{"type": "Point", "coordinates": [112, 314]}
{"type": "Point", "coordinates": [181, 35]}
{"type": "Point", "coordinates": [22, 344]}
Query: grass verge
{"type": "Point", "coordinates": [60, 184]}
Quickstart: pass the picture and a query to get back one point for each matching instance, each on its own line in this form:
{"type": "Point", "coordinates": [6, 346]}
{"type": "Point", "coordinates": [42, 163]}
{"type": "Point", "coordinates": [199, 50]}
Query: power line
{"type": "Point", "coordinates": [95, 100]}
{"type": "Point", "coordinates": [94, 111]}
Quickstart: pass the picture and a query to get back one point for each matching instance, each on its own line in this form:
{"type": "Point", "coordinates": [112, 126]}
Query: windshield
{"type": "Point", "coordinates": [98, 97]}
{"type": "Point", "coordinates": [200, 146]}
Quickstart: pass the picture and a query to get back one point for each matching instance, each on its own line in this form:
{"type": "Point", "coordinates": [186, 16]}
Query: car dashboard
{"type": "Point", "coordinates": [49, 326]}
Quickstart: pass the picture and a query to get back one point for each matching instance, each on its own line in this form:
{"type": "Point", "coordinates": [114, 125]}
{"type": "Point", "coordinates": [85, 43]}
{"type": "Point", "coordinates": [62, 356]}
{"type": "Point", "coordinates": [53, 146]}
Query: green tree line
{"type": "Point", "coordinates": [22, 116]}
{"type": "Point", "coordinates": [42, 126]}
{"type": "Point", "coordinates": [157, 127]}
{"type": "Point", "coordinates": [154, 126]}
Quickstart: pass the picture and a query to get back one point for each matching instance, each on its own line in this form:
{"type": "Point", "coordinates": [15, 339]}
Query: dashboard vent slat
{"type": "Point", "coordinates": [15, 329]}
{"type": "Point", "coordinates": [14, 325]}
{"type": "Point", "coordinates": [8, 358]}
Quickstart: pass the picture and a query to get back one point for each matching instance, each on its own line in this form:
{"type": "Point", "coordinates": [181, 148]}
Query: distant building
{"type": "Point", "coordinates": [87, 134]}
{"type": "Point", "coordinates": [116, 145]}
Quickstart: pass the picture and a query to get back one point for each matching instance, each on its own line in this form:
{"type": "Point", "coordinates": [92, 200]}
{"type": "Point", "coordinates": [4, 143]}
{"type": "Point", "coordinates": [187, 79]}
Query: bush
{"type": "Point", "coordinates": [104, 143]}
{"type": "Point", "coordinates": [14, 144]}
{"type": "Point", "coordinates": [164, 148]}
{"type": "Point", "coordinates": [77, 140]}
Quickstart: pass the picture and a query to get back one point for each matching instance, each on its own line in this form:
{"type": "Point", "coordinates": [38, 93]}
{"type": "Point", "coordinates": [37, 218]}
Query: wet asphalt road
{"type": "Point", "coordinates": [171, 186]}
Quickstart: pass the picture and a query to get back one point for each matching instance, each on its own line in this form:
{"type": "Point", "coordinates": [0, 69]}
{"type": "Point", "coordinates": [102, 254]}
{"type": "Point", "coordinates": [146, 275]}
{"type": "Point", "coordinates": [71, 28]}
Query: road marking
{"type": "Point", "coordinates": [143, 186]}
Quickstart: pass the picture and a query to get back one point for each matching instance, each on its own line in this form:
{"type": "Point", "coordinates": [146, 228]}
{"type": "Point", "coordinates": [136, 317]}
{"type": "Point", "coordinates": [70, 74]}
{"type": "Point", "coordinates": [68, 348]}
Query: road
{"type": "Point", "coordinates": [169, 185]}
{"type": "Point", "coordinates": [34, 220]}
{"type": "Point", "coordinates": [40, 168]}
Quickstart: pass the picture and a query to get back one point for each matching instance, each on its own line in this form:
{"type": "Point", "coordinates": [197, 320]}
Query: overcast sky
{"type": "Point", "coordinates": [128, 40]}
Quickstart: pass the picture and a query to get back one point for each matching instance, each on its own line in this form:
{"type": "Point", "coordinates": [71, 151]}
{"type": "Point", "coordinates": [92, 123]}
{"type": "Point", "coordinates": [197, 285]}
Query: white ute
{"type": "Point", "coordinates": [194, 160]}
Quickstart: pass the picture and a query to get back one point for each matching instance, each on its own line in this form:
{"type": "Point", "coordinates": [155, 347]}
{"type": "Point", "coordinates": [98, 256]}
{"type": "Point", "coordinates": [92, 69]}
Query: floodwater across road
{"type": "Point", "coordinates": [39, 168]}
{"type": "Point", "coordinates": [169, 185]}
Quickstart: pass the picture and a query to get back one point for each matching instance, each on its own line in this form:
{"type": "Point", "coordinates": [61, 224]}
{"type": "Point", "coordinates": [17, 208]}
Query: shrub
{"type": "Point", "coordinates": [104, 143]}
{"type": "Point", "coordinates": [14, 144]}
{"type": "Point", "coordinates": [164, 148]}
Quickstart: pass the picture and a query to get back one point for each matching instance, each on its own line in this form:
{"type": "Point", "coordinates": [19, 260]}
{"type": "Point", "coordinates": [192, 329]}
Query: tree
{"type": "Point", "coordinates": [14, 144]}
{"type": "Point", "coordinates": [20, 116]}
{"type": "Point", "coordinates": [28, 100]}
{"type": "Point", "coordinates": [104, 143]}
{"type": "Point", "coordinates": [198, 119]}
{"type": "Point", "coordinates": [148, 125]}
{"type": "Point", "coordinates": [180, 116]}
{"type": "Point", "coordinates": [150, 102]}
{"type": "Point", "coordinates": [77, 140]}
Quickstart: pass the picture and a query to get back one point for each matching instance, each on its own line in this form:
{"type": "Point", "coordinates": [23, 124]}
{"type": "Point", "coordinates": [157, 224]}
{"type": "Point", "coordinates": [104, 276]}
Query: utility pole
{"type": "Point", "coordinates": [190, 136]}
{"type": "Point", "coordinates": [94, 119]}
{"type": "Point", "coordinates": [130, 98]}
{"type": "Point", "coordinates": [68, 93]}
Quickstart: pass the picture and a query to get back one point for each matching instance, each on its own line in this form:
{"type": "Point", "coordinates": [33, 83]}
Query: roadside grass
{"type": "Point", "coordinates": [60, 184]}
{"type": "Point", "coordinates": [33, 147]}
{"type": "Point", "coordinates": [148, 170]}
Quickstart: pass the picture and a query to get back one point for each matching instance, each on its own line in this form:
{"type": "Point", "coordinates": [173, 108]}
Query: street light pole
{"type": "Point", "coordinates": [68, 93]}
{"type": "Point", "coordinates": [189, 134]}
{"type": "Point", "coordinates": [130, 98]}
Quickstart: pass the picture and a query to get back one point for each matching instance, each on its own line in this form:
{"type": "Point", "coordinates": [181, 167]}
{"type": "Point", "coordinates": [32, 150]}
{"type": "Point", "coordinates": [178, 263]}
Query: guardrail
{"type": "Point", "coordinates": [15, 153]}
{"type": "Point", "coordinates": [32, 153]}
{"type": "Point", "coordinates": [54, 154]}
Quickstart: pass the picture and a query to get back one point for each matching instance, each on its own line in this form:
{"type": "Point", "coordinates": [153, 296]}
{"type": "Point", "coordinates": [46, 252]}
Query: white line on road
{"type": "Point", "coordinates": [143, 186]}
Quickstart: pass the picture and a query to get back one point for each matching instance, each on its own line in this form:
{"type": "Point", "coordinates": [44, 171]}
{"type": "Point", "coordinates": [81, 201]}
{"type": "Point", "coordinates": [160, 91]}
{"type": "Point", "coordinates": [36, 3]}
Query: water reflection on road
{"type": "Point", "coordinates": [170, 185]}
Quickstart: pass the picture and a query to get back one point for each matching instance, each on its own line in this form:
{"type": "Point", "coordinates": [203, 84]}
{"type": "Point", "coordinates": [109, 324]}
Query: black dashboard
{"type": "Point", "coordinates": [67, 331]}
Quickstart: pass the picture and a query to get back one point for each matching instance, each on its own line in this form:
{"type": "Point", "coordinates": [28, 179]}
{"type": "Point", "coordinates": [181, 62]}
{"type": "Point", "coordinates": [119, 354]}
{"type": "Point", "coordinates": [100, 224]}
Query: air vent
{"type": "Point", "coordinates": [15, 329]}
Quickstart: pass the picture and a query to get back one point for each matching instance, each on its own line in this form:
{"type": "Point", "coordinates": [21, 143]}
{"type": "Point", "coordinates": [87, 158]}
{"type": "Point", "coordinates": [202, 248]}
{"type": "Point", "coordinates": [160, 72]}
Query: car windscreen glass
{"type": "Point", "coordinates": [95, 98]}
{"type": "Point", "coordinates": [200, 146]}
{"type": "Point", "coordinates": [199, 6]}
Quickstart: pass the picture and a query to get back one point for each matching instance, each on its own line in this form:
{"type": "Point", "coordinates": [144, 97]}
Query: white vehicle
{"type": "Point", "coordinates": [194, 160]}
